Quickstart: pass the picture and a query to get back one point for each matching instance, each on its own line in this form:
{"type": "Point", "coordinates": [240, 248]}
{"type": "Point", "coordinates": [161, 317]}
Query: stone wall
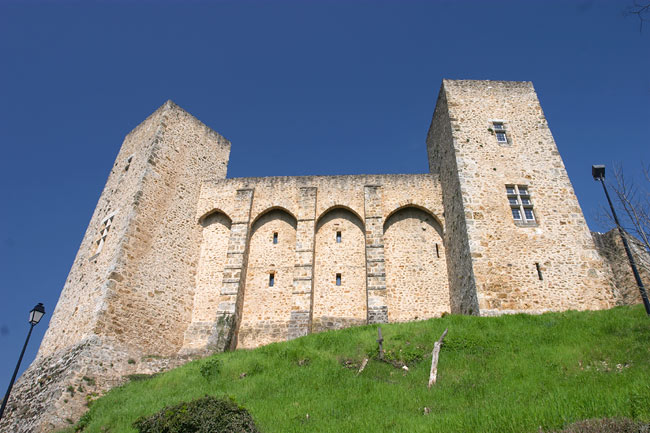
{"type": "Point", "coordinates": [443, 162]}
{"type": "Point", "coordinates": [610, 246]}
{"type": "Point", "coordinates": [212, 258]}
{"type": "Point", "coordinates": [546, 264]}
{"type": "Point", "coordinates": [340, 272]}
{"type": "Point", "coordinates": [131, 286]}
{"type": "Point", "coordinates": [416, 268]}
{"type": "Point", "coordinates": [305, 296]}
{"type": "Point", "coordinates": [269, 280]}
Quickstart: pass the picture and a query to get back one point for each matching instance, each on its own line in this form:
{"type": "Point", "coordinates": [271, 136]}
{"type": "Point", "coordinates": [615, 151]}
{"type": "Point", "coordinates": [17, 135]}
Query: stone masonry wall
{"type": "Point", "coordinates": [357, 206]}
{"type": "Point", "coordinates": [610, 246]}
{"type": "Point", "coordinates": [267, 308]}
{"type": "Point", "coordinates": [157, 271]}
{"type": "Point", "coordinates": [87, 285]}
{"type": "Point", "coordinates": [339, 306]}
{"type": "Point", "coordinates": [214, 247]}
{"type": "Point", "coordinates": [505, 255]}
{"type": "Point", "coordinates": [416, 268]}
{"type": "Point", "coordinates": [444, 163]}
{"type": "Point", "coordinates": [146, 263]}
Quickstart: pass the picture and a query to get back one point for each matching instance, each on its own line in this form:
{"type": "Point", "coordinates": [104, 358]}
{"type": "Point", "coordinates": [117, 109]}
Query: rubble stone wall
{"type": "Point", "coordinates": [506, 254]}
{"type": "Point", "coordinates": [416, 268]}
{"type": "Point", "coordinates": [343, 304]}
{"type": "Point", "coordinates": [610, 246]}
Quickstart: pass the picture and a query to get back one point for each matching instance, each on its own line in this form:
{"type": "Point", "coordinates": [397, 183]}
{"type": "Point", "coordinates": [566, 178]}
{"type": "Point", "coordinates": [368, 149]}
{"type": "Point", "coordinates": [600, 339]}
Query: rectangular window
{"type": "Point", "coordinates": [520, 203]}
{"type": "Point", "coordinates": [271, 279]}
{"type": "Point", "coordinates": [539, 271]}
{"type": "Point", "coordinates": [437, 251]}
{"type": "Point", "coordinates": [338, 279]}
{"type": "Point", "coordinates": [275, 237]}
{"type": "Point", "coordinates": [500, 131]}
{"type": "Point", "coordinates": [338, 237]}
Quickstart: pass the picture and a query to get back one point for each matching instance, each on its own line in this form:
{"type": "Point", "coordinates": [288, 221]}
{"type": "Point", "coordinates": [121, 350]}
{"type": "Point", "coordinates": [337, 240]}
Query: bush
{"type": "Point", "coordinates": [203, 415]}
{"type": "Point", "coordinates": [210, 368]}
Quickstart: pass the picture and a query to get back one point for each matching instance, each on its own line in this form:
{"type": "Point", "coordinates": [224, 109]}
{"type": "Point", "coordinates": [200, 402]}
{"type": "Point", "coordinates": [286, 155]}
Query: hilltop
{"type": "Point", "coordinates": [514, 373]}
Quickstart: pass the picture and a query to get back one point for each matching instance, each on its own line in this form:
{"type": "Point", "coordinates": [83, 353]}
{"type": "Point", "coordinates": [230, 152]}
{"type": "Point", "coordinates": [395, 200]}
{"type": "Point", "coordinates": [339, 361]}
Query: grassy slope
{"type": "Point", "coordinates": [501, 374]}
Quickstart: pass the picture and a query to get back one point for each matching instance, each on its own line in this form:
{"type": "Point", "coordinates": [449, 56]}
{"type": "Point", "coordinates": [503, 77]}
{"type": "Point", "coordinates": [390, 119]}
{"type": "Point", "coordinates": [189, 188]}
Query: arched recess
{"type": "Point", "coordinates": [416, 269]}
{"type": "Point", "coordinates": [266, 307]}
{"type": "Point", "coordinates": [340, 298]}
{"type": "Point", "coordinates": [212, 258]}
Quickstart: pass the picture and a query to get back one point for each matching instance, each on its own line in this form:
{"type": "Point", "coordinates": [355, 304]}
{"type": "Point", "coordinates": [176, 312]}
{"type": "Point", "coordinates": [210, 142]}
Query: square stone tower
{"type": "Point", "coordinates": [130, 291]}
{"type": "Point", "coordinates": [516, 237]}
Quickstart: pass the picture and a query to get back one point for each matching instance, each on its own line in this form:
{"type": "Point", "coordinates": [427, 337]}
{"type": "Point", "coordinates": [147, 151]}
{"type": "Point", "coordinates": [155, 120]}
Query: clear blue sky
{"type": "Point", "coordinates": [330, 87]}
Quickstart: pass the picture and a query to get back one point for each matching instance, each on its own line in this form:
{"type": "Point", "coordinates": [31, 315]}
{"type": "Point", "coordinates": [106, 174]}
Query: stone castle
{"type": "Point", "coordinates": [178, 260]}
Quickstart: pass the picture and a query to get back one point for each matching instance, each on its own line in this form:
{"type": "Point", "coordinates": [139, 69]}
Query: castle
{"type": "Point", "coordinates": [178, 260]}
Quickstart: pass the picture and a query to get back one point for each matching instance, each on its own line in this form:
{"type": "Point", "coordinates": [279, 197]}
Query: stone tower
{"type": "Point", "coordinates": [516, 237]}
{"type": "Point", "coordinates": [130, 290]}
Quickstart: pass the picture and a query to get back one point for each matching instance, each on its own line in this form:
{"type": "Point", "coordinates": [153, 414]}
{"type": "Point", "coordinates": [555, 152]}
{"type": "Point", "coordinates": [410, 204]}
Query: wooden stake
{"type": "Point", "coordinates": [380, 340]}
{"type": "Point", "coordinates": [434, 360]}
{"type": "Point", "coordinates": [363, 365]}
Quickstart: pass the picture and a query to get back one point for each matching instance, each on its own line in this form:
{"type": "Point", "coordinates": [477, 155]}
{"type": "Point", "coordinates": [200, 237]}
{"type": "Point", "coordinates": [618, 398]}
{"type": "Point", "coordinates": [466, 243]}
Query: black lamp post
{"type": "Point", "coordinates": [598, 172]}
{"type": "Point", "coordinates": [34, 317]}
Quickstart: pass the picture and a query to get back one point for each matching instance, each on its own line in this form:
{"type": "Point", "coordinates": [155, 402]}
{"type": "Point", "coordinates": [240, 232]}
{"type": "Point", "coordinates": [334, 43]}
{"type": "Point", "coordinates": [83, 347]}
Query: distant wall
{"type": "Point", "coordinates": [610, 246]}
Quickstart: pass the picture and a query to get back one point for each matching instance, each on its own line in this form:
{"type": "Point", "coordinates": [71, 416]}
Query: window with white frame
{"type": "Point", "coordinates": [500, 132]}
{"type": "Point", "coordinates": [520, 204]}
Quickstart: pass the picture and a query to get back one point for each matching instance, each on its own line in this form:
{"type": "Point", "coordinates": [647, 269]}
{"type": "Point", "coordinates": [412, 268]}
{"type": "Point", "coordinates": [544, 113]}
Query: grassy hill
{"type": "Point", "coordinates": [496, 374]}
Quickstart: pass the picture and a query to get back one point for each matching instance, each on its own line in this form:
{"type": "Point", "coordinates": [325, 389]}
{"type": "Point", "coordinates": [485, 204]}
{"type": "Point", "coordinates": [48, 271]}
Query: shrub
{"type": "Point", "coordinates": [137, 377]}
{"type": "Point", "coordinates": [207, 414]}
{"type": "Point", "coordinates": [210, 368]}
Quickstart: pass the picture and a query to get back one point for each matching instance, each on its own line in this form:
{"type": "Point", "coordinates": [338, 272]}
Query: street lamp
{"type": "Point", "coordinates": [598, 172]}
{"type": "Point", "coordinates": [34, 317]}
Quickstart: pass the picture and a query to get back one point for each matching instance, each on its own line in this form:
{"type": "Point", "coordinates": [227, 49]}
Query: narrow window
{"type": "Point", "coordinates": [500, 131]}
{"type": "Point", "coordinates": [539, 271]}
{"type": "Point", "coordinates": [338, 279]}
{"type": "Point", "coordinates": [271, 279]}
{"type": "Point", "coordinates": [338, 237]}
{"type": "Point", "coordinates": [437, 251]}
{"type": "Point", "coordinates": [103, 233]}
{"type": "Point", "coordinates": [275, 237]}
{"type": "Point", "coordinates": [128, 163]}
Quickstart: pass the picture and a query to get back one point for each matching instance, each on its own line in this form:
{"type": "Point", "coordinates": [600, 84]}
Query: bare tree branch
{"type": "Point", "coordinates": [642, 10]}
{"type": "Point", "coordinates": [633, 198]}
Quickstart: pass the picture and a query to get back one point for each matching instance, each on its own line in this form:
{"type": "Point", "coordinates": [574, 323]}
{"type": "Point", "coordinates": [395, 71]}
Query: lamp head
{"type": "Point", "coordinates": [36, 314]}
{"type": "Point", "coordinates": [598, 172]}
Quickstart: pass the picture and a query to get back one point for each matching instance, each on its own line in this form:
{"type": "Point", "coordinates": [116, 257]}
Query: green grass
{"type": "Point", "coordinates": [502, 374]}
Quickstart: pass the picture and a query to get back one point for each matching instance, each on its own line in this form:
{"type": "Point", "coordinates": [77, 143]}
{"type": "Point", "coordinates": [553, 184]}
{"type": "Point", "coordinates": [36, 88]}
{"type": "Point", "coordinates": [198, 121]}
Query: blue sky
{"type": "Point", "coordinates": [330, 87]}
